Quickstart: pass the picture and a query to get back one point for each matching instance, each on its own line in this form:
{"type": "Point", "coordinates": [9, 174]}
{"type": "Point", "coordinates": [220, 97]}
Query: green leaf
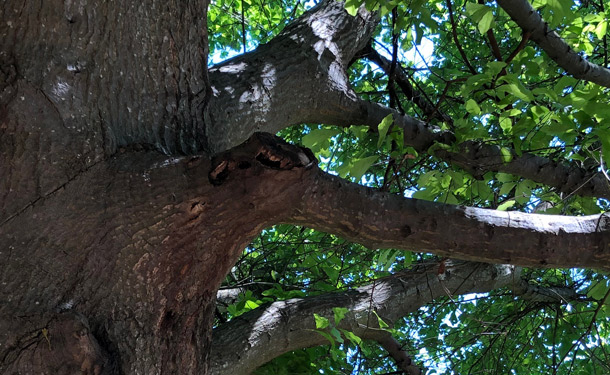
{"type": "Point", "coordinates": [507, 125]}
{"type": "Point", "coordinates": [517, 90]}
{"type": "Point", "coordinates": [523, 192]}
{"type": "Point", "coordinates": [351, 6]}
{"type": "Point", "coordinates": [316, 138]}
{"type": "Point", "coordinates": [359, 167]}
{"type": "Point", "coordinates": [321, 322]}
{"type": "Point", "coordinates": [339, 313]}
{"type": "Point", "coordinates": [600, 30]}
{"type": "Point", "coordinates": [495, 67]}
{"type": "Point", "coordinates": [486, 22]}
{"type": "Point", "coordinates": [333, 274]}
{"type": "Point", "coordinates": [507, 155]}
{"type": "Point", "coordinates": [351, 337]}
{"type": "Point", "coordinates": [505, 177]}
{"type": "Point", "coordinates": [482, 14]}
{"type": "Point", "coordinates": [598, 291]}
{"type": "Point", "coordinates": [387, 258]}
{"type": "Point", "coordinates": [507, 187]}
{"type": "Point", "coordinates": [506, 205]}
{"type": "Point", "coordinates": [328, 337]}
{"type": "Point", "coordinates": [475, 11]}
{"type": "Point", "coordinates": [472, 107]}
{"type": "Point", "coordinates": [382, 324]}
{"type": "Point", "coordinates": [383, 129]}
{"type": "Point", "coordinates": [336, 334]}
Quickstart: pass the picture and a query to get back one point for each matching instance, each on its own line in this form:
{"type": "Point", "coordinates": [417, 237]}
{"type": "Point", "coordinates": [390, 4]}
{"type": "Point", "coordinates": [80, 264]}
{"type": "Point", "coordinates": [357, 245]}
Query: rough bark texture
{"type": "Point", "coordinates": [300, 76]}
{"type": "Point", "coordinates": [138, 246]}
{"type": "Point", "coordinates": [381, 220]}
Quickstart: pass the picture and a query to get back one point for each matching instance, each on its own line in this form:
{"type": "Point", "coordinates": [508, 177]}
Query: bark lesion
{"type": "Point", "coordinates": [260, 150]}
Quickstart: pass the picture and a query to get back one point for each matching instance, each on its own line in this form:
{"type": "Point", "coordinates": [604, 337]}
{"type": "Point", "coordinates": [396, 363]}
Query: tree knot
{"type": "Point", "coordinates": [262, 149]}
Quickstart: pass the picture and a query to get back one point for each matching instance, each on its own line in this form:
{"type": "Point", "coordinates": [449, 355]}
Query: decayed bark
{"type": "Point", "coordinates": [252, 339]}
{"type": "Point", "coordinates": [530, 21]}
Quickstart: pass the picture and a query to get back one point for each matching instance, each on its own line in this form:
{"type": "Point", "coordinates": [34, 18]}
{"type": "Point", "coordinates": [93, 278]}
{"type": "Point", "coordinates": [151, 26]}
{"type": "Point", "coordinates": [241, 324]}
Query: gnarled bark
{"type": "Point", "coordinates": [113, 243]}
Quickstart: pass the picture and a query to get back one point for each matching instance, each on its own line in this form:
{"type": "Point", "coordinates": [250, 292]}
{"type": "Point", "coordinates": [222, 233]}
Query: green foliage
{"type": "Point", "coordinates": [523, 105]}
{"type": "Point", "coordinates": [261, 21]}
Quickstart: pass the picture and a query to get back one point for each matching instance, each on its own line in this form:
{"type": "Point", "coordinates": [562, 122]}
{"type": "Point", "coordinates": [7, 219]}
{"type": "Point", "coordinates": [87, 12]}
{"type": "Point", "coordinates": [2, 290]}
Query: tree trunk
{"type": "Point", "coordinates": [130, 256]}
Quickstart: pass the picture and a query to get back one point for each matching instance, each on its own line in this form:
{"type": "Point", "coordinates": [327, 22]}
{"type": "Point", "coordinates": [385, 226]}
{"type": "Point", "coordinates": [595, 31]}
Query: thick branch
{"type": "Point", "coordinates": [530, 21]}
{"type": "Point", "coordinates": [254, 338]}
{"type": "Point", "coordinates": [479, 158]}
{"type": "Point", "coordinates": [381, 220]}
{"type": "Point", "coordinates": [300, 76]}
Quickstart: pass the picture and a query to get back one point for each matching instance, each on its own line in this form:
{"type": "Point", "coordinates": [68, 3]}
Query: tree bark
{"type": "Point", "coordinates": [252, 339]}
{"type": "Point", "coordinates": [380, 220]}
{"type": "Point", "coordinates": [298, 77]}
{"type": "Point", "coordinates": [137, 247]}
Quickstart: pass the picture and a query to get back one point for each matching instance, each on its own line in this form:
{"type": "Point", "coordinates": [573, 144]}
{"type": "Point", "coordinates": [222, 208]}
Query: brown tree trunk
{"type": "Point", "coordinates": [123, 263]}
{"type": "Point", "coordinates": [99, 273]}
{"type": "Point", "coordinates": [111, 253]}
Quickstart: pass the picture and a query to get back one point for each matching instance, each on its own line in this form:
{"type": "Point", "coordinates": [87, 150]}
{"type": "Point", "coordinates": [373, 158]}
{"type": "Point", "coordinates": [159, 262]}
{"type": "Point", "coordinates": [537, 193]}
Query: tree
{"type": "Point", "coordinates": [133, 177]}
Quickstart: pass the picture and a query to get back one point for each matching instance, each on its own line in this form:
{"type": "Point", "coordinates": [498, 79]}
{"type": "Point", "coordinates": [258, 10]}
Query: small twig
{"type": "Point", "coordinates": [455, 39]}
{"type": "Point", "coordinates": [524, 39]}
{"type": "Point", "coordinates": [243, 26]}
